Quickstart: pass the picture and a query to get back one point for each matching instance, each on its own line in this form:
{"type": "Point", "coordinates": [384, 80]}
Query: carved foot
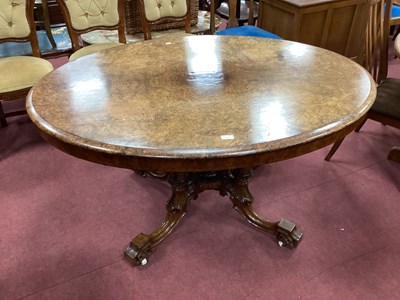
{"type": "Point", "coordinates": [138, 250]}
{"type": "Point", "coordinates": [287, 235]}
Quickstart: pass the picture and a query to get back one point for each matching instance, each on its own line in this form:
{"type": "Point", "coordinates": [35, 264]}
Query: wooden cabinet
{"type": "Point", "coordinates": [335, 25]}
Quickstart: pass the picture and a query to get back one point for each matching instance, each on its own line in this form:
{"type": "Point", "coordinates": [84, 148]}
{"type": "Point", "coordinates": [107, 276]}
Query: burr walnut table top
{"type": "Point", "coordinates": [200, 103]}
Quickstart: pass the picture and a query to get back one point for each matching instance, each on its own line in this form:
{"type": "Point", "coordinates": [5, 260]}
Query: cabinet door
{"type": "Point", "coordinates": [338, 26]}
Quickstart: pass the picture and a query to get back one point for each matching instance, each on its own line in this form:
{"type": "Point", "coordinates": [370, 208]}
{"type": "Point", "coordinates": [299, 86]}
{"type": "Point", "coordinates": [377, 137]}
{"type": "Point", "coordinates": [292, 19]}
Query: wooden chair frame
{"type": "Point", "coordinates": [148, 24]}
{"type": "Point", "coordinates": [376, 62]}
{"type": "Point", "coordinates": [76, 33]}
{"type": "Point", "coordinates": [32, 37]}
{"type": "Point", "coordinates": [33, 40]}
{"type": "Point", "coordinates": [234, 13]}
{"type": "Point", "coordinates": [43, 20]}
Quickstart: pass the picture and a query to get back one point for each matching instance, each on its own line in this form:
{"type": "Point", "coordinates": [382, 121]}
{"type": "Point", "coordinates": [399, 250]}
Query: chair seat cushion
{"type": "Point", "coordinates": [388, 98]}
{"type": "Point", "coordinates": [20, 72]}
{"type": "Point", "coordinates": [395, 11]}
{"type": "Point", "coordinates": [248, 30]}
{"type": "Point", "coordinates": [92, 49]}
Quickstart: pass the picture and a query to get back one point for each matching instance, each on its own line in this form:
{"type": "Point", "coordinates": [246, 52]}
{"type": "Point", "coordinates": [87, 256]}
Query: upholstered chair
{"type": "Point", "coordinates": [42, 19]}
{"type": "Point", "coordinates": [19, 73]}
{"type": "Point", "coordinates": [386, 108]}
{"type": "Point", "coordinates": [244, 30]}
{"type": "Point", "coordinates": [154, 12]}
{"type": "Point", "coordinates": [84, 16]}
{"type": "Point", "coordinates": [246, 11]}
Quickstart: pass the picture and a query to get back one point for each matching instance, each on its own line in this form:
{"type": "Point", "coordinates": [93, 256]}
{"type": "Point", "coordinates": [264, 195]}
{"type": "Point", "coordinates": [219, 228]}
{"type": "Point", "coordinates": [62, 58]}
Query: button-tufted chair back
{"type": "Point", "coordinates": [16, 23]}
{"type": "Point", "coordinates": [82, 16]}
{"type": "Point", "coordinates": [18, 73]}
{"type": "Point", "coordinates": [154, 12]}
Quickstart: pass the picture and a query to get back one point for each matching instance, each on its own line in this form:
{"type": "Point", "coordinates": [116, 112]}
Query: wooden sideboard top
{"type": "Point", "coordinates": [306, 3]}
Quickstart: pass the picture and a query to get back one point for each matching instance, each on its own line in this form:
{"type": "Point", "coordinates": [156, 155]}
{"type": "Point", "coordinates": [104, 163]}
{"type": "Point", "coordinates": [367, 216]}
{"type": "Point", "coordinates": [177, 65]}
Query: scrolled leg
{"type": "Point", "coordinates": [236, 188]}
{"type": "Point", "coordinates": [142, 245]}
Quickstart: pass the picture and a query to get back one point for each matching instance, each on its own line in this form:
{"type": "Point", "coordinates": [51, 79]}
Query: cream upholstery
{"type": "Point", "coordinates": [83, 16]}
{"type": "Point", "coordinates": [89, 13]}
{"type": "Point", "coordinates": [13, 22]}
{"type": "Point", "coordinates": [25, 71]}
{"type": "Point", "coordinates": [156, 9]}
{"type": "Point", "coordinates": [92, 49]}
{"type": "Point", "coordinates": [19, 73]}
{"type": "Point", "coordinates": [156, 12]}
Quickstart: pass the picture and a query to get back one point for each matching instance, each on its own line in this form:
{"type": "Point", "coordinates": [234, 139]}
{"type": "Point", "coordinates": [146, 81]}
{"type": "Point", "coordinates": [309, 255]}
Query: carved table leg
{"type": "Point", "coordinates": [142, 245]}
{"type": "Point", "coordinates": [236, 188]}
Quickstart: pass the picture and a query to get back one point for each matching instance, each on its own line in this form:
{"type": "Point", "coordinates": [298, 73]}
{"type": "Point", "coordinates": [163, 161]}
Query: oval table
{"type": "Point", "coordinates": [201, 112]}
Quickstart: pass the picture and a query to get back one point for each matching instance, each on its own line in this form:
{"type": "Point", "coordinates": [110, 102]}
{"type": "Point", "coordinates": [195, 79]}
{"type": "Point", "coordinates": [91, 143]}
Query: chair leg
{"type": "Point", "coordinates": [47, 25]}
{"type": "Point", "coordinates": [361, 125]}
{"type": "Point", "coordinates": [391, 29]}
{"type": "Point", "coordinates": [396, 33]}
{"type": "Point", "coordinates": [335, 146]}
{"type": "Point", "coordinates": [394, 154]}
{"type": "Point", "coordinates": [3, 121]}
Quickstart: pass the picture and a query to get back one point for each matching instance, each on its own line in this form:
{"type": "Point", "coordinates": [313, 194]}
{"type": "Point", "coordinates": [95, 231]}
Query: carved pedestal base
{"type": "Point", "coordinates": [186, 187]}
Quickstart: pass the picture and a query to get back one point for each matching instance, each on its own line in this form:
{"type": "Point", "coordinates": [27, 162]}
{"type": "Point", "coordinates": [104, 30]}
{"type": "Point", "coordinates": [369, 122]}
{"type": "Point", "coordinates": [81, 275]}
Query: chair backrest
{"type": "Point", "coordinates": [17, 23]}
{"type": "Point", "coordinates": [154, 12]}
{"type": "Point", "coordinates": [239, 12]}
{"type": "Point", "coordinates": [376, 39]}
{"type": "Point", "coordinates": [87, 15]}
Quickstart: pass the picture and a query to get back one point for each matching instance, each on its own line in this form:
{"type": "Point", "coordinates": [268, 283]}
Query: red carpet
{"type": "Point", "coordinates": [65, 223]}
